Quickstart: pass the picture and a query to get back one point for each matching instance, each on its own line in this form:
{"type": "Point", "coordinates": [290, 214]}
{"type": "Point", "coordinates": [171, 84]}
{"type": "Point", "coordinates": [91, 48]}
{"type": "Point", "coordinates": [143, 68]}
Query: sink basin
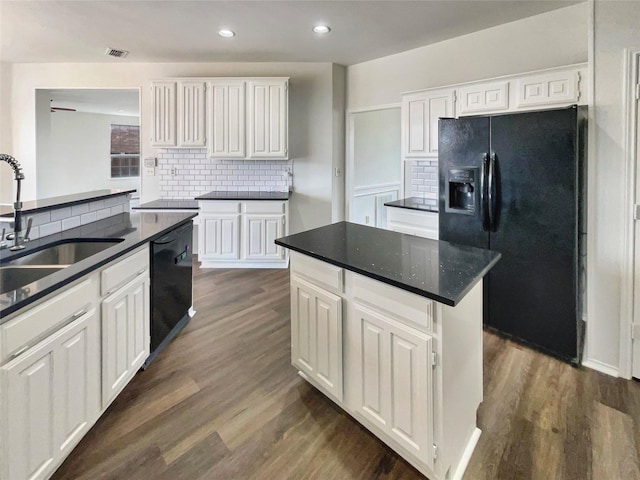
{"type": "Point", "coordinates": [64, 254]}
{"type": "Point", "coordinates": [12, 278]}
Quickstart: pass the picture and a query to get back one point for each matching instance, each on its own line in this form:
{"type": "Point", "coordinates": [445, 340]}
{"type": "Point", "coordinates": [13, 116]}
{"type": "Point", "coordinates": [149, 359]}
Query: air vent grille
{"type": "Point", "coordinates": [114, 52]}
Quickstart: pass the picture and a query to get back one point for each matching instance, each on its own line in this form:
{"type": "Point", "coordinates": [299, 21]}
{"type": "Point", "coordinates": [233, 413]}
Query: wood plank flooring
{"type": "Point", "coordinates": [223, 402]}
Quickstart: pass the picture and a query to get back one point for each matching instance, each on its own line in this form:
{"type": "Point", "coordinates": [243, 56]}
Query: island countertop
{"type": "Point", "coordinates": [442, 271]}
{"type": "Point", "coordinates": [133, 230]}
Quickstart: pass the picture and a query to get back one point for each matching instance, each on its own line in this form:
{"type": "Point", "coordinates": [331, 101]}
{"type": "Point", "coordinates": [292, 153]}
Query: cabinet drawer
{"type": "Point", "coordinates": [413, 309]}
{"type": "Point", "coordinates": [264, 207]}
{"type": "Point", "coordinates": [219, 206]}
{"type": "Point", "coordinates": [30, 327]}
{"type": "Point", "coordinates": [320, 273]}
{"type": "Point", "coordinates": [124, 270]}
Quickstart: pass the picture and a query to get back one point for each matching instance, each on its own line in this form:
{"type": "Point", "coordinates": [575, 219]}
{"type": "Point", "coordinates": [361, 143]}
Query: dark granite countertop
{"type": "Point", "coordinates": [413, 203]}
{"type": "Point", "coordinates": [45, 204]}
{"type": "Point", "coordinates": [439, 270]}
{"type": "Point", "coordinates": [245, 196]}
{"type": "Point", "coordinates": [168, 204]}
{"type": "Point", "coordinates": [134, 229]}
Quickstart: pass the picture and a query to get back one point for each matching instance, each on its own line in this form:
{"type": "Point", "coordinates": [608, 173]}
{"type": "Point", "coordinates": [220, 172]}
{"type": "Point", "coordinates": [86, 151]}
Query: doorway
{"type": "Point", "coordinates": [87, 139]}
{"type": "Point", "coordinates": [374, 169]}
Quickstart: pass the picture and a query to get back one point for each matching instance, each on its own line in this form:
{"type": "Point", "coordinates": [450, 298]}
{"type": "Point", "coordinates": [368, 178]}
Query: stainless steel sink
{"type": "Point", "coordinates": [12, 278]}
{"type": "Point", "coordinates": [63, 254]}
{"type": "Point", "coordinates": [18, 272]}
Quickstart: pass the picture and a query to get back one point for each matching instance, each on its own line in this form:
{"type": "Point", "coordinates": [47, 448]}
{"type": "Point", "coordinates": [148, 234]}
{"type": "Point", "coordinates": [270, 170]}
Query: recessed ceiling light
{"type": "Point", "coordinates": [226, 33]}
{"type": "Point", "coordinates": [321, 29]}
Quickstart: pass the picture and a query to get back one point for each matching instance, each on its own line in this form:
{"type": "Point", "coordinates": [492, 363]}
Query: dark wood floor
{"type": "Point", "coordinates": [223, 402]}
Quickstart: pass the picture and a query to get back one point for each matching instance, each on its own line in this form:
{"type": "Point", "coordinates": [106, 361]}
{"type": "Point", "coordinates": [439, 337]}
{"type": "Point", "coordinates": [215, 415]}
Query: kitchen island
{"type": "Point", "coordinates": [389, 326]}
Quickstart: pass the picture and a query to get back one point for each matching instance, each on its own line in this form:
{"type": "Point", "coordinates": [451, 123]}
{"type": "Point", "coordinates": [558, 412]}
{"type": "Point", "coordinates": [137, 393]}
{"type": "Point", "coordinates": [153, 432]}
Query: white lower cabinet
{"type": "Point", "coordinates": [219, 237]}
{"type": "Point", "coordinates": [413, 222]}
{"type": "Point", "coordinates": [65, 359]}
{"type": "Point", "coordinates": [50, 399]}
{"type": "Point", "coordinates": [125, 336]}
{"type": "Point", "coordinates": [316, 335]}
{"type": "Point", "coordinates": [393, 380]}
{"type": "Point", "coordinates": [260, 233]}
{"type": "Point", "coordinates": [406, 367]}
{"type": "Point", "coordinates": [241, 234]}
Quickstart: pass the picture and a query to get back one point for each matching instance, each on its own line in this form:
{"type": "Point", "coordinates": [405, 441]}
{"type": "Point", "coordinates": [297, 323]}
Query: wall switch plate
{"type": "Point", "coordinates": [150, 162]}
{"type": "Point", "coordinates": [150, 171]}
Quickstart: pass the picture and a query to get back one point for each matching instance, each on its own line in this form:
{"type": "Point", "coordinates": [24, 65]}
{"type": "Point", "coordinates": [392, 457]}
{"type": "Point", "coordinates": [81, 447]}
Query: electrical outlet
{"type": "Point", "coordinates": [287, 171]}
{"type": "Point", "coordinates": [150, 171]}
{"type": "Point", "coordinates": [337, 171]}
{"type": "Point", "coordinates": [174, 171]}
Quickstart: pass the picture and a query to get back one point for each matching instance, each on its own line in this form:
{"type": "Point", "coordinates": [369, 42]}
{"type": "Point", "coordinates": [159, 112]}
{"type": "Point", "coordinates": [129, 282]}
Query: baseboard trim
{"type": "Point", "coordinates": [466, 455]}
{"type": "Point", "coordinates": [601, 367]}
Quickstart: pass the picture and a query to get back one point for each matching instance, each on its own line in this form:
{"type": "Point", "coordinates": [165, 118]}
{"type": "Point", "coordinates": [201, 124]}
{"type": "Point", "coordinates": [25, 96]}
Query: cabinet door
{"type": "Point", "coordinates": [219, 237]}
{"type": "Point", "coordinates": [549, 89]}
{"type": "Point", "coordinates": [486, 97]}
{"type": "Point", "coordinates": [125, 336]}
{"type": "Point", "coordinates": [50, 399]}
{"type": "Point", "coordinates": [259, 233]}
{"type": "Point", "coordinates": [268, 122]}
{"type": "Point", "coordinates": [420, 114]}
{"type": "Point", "coordinates": [227, 119]}
{"type": "Point", "coordinates": [316, 335]}
{"type": "Point", "coordinates": [394, 381]}
{"type": "Point", "coordinates": [191, 114]}
{"type": "Point", "coordinates": [163, 108]}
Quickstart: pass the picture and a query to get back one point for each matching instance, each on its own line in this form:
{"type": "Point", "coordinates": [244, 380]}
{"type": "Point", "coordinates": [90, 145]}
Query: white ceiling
{"type": "Point", "coordinates": [267, 31]}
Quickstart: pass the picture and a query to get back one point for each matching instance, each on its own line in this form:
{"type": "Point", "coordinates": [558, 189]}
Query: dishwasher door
{"type": "Point", "coordinates": [171, 284]}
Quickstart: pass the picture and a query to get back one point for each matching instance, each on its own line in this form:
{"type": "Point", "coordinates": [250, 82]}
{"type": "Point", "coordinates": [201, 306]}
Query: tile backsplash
{"type": "Point", "coordinates": [422, 180]}
{"type": "Point", "coordinates": [189, 172]}
{"type": "Point", "coordinates": [63, 218]}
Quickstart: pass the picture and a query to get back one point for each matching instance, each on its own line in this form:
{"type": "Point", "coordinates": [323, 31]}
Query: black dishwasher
{"type": "Point", "coordinates": [171, 286]}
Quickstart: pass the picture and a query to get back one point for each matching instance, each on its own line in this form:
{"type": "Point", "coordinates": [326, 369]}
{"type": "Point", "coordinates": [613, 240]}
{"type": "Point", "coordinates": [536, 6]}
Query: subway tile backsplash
{"type": "Point", "coordinates": [64, 218]}
{"type": "Point", "coordinates": [189, 172]}
{"type": "Point", "coordinates": [422, 180]}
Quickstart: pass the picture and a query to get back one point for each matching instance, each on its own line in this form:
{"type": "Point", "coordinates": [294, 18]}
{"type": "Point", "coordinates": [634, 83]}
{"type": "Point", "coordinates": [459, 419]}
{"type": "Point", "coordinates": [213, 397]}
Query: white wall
{"type": "Point", "coordinates": [551, 39]}
{"type": "Point", "coordinates": [78, 157]}
{"type": "Point", "coordinates": [617, 26]}
{"type": "Point", "coordinates": [311, 133]}
{"type": "Point", "coordinates": [6, 174]}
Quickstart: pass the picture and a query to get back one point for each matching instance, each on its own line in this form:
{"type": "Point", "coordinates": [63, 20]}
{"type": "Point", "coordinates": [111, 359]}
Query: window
{"type": "Point", "coordinates": [125, 151]}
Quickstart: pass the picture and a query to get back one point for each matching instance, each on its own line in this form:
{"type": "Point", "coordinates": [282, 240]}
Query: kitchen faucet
{"type": "Point", "coordinates": [18, 241]}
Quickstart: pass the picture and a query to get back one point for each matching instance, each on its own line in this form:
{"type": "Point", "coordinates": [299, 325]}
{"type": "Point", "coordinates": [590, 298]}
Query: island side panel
{"type": "Point", "coordinates": [462, 388]}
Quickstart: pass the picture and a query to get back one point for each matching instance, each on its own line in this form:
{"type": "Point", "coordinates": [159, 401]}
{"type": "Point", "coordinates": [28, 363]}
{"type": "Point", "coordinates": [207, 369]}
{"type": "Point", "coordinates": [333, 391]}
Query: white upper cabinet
{"type": "Point", "coordinates": [178, 114]}
{"type": "Point", "coordinates": [485, 97]}
{"type": "Point", "coordinates": [163, 129]}
{"type": "Point", "coordinates": [191, 114]}
{"type": "Point", "coordinates": [548, 89]}
{"type": "Point", "coordinates": [233, 117]}
{"type": "Point", "coordinates": [267, 118]}
{"type": "Point", "coordinates": [226, 118]}
{"type": "Point", "coordinates": [420, 114]}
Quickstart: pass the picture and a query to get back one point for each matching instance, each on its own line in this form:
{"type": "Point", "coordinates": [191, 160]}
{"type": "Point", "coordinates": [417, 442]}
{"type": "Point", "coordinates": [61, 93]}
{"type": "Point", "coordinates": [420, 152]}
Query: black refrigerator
{"type": "Point", "coordinates": [515, 183]}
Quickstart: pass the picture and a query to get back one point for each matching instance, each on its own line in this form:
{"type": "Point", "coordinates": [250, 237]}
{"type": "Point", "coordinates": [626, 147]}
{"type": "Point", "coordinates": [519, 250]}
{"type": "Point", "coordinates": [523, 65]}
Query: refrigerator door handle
{"type": "Point", "coordinates": [483, 191]}
{"type": "Point", "coordinates": [491, 188]}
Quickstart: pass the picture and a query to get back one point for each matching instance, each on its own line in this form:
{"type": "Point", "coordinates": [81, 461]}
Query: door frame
{"type": "Point", "coordinates": [630, 300]}
{"type": "Point", "coordinates": [350, 152]}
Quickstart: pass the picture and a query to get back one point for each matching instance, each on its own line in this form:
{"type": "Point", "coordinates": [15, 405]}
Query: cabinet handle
{"type": "Point", "coordinates": [79, 313]}
{"type": "Point", "coordinates": [17, 353]}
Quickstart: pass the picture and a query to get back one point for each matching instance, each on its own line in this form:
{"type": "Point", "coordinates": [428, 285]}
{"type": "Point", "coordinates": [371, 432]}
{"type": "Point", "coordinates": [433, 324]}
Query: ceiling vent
{"type": "Point", "coordinates": [113, 52]}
